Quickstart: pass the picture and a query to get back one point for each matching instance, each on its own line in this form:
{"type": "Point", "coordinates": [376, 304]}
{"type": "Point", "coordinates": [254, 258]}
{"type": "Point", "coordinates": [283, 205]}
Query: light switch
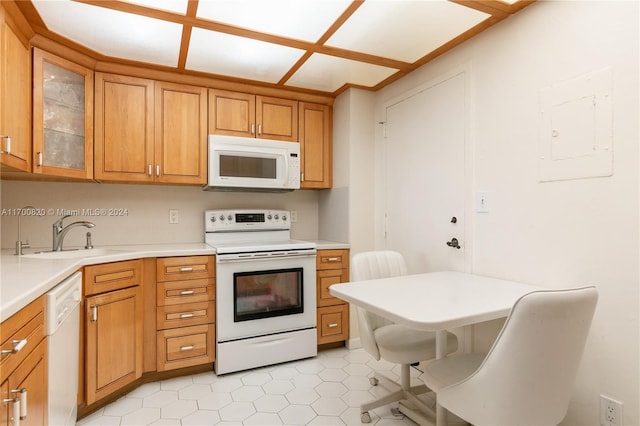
{"type": "Point", "coordinates": [482, 202]}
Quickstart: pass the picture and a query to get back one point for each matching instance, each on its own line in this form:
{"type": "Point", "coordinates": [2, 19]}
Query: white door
{"type": "Point", "coordinates": [425, 178]}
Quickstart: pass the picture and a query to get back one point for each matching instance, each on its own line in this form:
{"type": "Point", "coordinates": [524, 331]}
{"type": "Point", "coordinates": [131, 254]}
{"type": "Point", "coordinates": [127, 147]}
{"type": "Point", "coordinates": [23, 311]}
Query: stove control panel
{"type": "Point", "coordinates": [246, 220]}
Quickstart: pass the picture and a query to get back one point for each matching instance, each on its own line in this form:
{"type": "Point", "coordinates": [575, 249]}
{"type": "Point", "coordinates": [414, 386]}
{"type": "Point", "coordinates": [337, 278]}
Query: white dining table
{"type": "Point", "coordinates": [435, 301]}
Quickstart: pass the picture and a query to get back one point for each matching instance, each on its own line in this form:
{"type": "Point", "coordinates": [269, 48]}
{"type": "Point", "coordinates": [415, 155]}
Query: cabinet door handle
{"type": "Point", "coordinates": [94, 313]}
{"type": "Point", "coordinates": [259, 129]}
{"type": "Point", "coordinates": [7, 149]}
{"type": "Point", "coordinates": [186, 292]}
{"type": "Point", "coordinates": [17, 346]}
{"type": "Point", "coordinates": [22, 402]}
{"type": "Point", "coordinates": [15, 420]}
{"type": "Point", "coordinates": [15, 415]}
{"type": "Point", "coordinates": [40, 159]}
{"type": "Point", "coordinates": [157, 169]}
{"type": "Point", "coordinates": [150, 170]}
{"type": "Point", "coordinates": [186, 348]}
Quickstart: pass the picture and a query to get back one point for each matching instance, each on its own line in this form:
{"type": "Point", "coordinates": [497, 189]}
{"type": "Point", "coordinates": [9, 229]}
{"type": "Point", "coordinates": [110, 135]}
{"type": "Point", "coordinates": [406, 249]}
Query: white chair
{"type": "Point", "coordinates": [528, 375]}
{"type": "Point", "coordinates": [394, 343]}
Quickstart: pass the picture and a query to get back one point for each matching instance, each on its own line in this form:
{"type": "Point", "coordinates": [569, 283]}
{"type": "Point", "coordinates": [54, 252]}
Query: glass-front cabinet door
{"type": "Point", "coordinates": [62, 117]}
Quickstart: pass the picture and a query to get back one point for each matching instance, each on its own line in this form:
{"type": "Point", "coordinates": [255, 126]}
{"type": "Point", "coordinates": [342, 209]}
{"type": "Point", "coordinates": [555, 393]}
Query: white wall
{"type": "Point", "coordinates": [147, 217]}
{"type": "Point", "coordinates": [346, 211]}
{"type": "Point", "coordinates": [555, 234]}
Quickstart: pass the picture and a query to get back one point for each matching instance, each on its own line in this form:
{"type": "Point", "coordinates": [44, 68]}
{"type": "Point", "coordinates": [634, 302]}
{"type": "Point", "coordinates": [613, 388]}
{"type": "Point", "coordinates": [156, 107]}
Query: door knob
{"type": "Point", "coordinates": [454, 243]}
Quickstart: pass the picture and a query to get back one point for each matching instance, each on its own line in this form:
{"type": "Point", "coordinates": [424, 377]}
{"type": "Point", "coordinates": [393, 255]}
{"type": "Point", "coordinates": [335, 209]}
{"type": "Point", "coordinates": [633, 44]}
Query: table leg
{"type": "Point", "coordinates": [441, 351]}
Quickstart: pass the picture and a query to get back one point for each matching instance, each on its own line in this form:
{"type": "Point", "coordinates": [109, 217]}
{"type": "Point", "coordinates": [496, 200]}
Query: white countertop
{"type": "Point", "coordinates": [24, 279]}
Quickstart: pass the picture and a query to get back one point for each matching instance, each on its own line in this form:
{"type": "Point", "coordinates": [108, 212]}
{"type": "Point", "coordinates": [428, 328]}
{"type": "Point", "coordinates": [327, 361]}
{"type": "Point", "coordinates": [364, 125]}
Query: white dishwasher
{"type": "Point", "coordinates": [63, 328]}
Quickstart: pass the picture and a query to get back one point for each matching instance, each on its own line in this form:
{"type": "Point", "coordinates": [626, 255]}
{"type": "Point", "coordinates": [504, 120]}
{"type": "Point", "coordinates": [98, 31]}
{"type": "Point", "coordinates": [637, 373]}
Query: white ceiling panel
{"type": "Point", "coordinates": [113, 33]}
{"type": "Point", "coordinates": [369, 43]}
{"type": "Point", "coordinates": [240, 57]}
{"type": "Point", "coordinates": [404, 30]}
{"type": "Point", "coordinates": [300, 19]}
{"type": "Point", "coordinates": [329, 73]}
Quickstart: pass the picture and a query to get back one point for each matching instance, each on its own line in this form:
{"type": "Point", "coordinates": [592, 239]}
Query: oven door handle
{"type": "Point", "coordinates": [248, 257]}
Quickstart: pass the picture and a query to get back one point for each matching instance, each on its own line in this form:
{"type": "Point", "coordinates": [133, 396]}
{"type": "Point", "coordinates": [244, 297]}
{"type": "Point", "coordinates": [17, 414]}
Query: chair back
{"type": "Point", "coordinates": [528, 376]}
{"type": "Point", "coordinates": [373, 265]}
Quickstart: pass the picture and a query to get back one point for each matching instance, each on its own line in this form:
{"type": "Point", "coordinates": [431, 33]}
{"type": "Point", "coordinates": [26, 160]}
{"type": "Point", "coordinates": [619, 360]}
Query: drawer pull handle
{"type": "Point", "coordinates": [186, 292]}
{"type": "Point", "coordinates": [333, 259]}
{"type": "Point", "coordinates": [186, 269]}
{"type": "Point", "coordinates": [186, 315]}
{"type": "Point", "coordinates": [333, 325]}
{"type": "Point", "coordinates": [17, 346]}
{"type": "Point", "coordinates": [186, 348]}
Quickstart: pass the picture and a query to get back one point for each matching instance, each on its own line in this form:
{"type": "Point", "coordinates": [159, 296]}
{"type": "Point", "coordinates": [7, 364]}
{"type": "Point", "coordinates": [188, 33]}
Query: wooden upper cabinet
{"type": "Point", "coordinates": [124, 128]}
{"type": "Point", "coordinates": [243, 114]}
{"type": "Point", "coordinates": [277, 119]}
{"type": "Point", "coordinates": [232, 113]}
{"type": "Point", "coordinates": [15, 98]}
{"type": "Point", "coordinates": [315, 146]}
{"type": "Point", "coordinates": [181, 133]}
{"type": "Point", "coordinates": [150, 131]}
{"type": "Point", "coordinates": [62, 117]}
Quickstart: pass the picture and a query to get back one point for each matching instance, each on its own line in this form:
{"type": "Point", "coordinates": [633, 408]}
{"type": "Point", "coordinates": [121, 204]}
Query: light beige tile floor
{"type": "Point", "coordinates": [324, 390]}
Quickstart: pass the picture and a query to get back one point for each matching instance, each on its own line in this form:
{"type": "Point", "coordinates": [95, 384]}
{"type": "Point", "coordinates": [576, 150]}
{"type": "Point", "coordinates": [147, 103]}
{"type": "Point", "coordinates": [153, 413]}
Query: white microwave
{"type": "Point", "coordinates": [250, 164]}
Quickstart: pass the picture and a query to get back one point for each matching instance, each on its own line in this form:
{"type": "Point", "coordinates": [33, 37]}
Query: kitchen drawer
{"type": "Point", "coordinates": [332, 259]}
{"type": "Point", "coordinates": [324, 279]}
{"type": "Point", "coordinates": [333, 324]}
{"type": "Point", "coordinates": [185, 346]}
{"type": "Point", "coordinates": [112, 276]}
{"type": "Point", "coordinates": [185, 268]}
{"type": "Point", "coordinates": [185, 315]}
{"type": "Point", "coordinates": [181, 292]}
{"type": "Point", "coordinates": [22, 332]}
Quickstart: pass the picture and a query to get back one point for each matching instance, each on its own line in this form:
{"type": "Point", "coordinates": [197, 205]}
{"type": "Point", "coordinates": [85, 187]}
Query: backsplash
{"type": "Point", "coordinates": [134, 214]}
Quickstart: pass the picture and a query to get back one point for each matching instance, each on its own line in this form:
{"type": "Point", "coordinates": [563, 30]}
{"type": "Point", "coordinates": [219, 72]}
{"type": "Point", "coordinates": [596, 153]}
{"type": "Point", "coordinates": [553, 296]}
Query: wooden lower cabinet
{"type": "Point", "coordinates": [24, 371]}
{"type": "Point", "coordinates": [185, 311]}
{"type": "Point", "coordinates": [185, 346]}
{"type": "Point", "coordinates": [30, 380]}
{"type": "Point", "coordinates": [113, 341]}
{"type": "Point", "coordinates": [332, 267]}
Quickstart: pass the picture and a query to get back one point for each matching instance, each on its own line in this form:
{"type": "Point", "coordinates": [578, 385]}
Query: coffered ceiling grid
{"type": "Point", "coordinates": [322, 46]}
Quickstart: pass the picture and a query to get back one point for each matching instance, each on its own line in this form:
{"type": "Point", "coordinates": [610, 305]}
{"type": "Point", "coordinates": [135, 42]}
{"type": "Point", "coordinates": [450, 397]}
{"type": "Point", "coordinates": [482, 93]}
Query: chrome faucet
{"type": "Point", "coordinates": [59, 231]}
{"type": "Point", "coordinates": [19, 244]}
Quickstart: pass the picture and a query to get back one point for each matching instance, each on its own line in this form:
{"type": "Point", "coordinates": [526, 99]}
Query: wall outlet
{"type": "Point", "coordinates": [294, 216]}
{"type": "Point", "coordinates": [174, 216]}
{"type": "Point", "coordinates": [610, 411]}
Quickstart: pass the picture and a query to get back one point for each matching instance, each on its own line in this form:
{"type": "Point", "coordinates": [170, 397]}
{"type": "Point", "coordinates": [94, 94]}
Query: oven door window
{"type": "Point", "coordinates": [264, 294]}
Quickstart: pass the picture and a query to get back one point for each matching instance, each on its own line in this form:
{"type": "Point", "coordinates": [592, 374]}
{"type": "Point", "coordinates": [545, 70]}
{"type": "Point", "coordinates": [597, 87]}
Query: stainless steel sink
{"type": "Point", "coordinates": [72, 254]}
